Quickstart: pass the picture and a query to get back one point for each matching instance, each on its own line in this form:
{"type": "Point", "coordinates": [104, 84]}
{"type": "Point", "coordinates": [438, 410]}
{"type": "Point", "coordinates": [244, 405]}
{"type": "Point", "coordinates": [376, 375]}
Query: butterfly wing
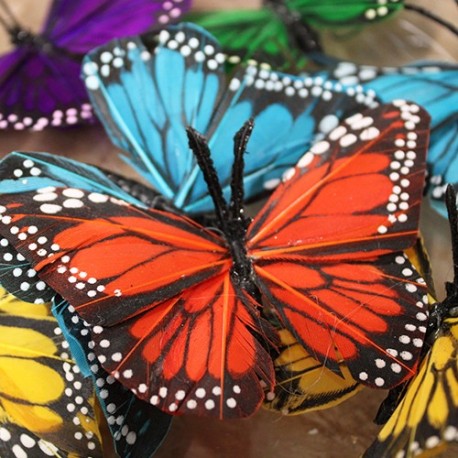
{"type": "Point", "coordinates": [45, 402]}
{"type": "Point", "coordinates": [54, 95]}
{"type": "Point", "coordinates": [258, 34]}
{"type": "Point", "coordinates": [108, 256]}
{"type": "Point", "coordinates": [426, 418]}
{"type": "Point", "coordinates": [334, 13]}
{"type": "Point", "coordinates": [185, 83]}
{"type": "Point", "coordinates": [433, 85]}
{"type": "Point", "coordinates": [79, 27]}
{"type": "Point", "coordinates": [303, 384]}
{"type": "Point", "coordinates": [137, 427]}
{"type": "Point", "coordinates": [324, 246]}
{"type": "Point", "coordinates": [31, 171]}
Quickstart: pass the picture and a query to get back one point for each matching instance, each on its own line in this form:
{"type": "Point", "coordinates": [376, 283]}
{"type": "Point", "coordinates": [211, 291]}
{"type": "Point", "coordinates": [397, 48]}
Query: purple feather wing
{"type": "Point", "coordinates": [37, 90]}
{"type": "Point", "coordinates": [80, 26]}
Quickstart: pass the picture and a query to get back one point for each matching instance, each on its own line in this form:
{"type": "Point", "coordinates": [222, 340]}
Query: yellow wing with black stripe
{"type": "Point", "coordinates": [46, 406]}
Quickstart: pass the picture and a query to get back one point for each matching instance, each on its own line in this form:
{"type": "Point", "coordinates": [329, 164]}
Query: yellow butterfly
{"type": "Point", "coordinates": [426, 416]}
{"type": "Point", "coordinates": [46, 406]}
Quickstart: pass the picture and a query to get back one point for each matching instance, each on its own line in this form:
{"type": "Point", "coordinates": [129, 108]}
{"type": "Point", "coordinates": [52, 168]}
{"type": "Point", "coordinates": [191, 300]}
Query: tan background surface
{"type": "Point", "coordinates": [346, 430]}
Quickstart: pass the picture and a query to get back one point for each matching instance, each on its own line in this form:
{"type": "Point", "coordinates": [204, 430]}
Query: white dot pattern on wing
{"type": "Point", "coordinates": [379, 11]}
{"type": "Point", "coordinates": [360, 128]}
{"type": "Point", "coordinates": [413, 334]}
{"type": "Point", "coordinates": [52, 203]}
{"type": "Point", "coordinates": [103, 382]}
{"type": "Point", "coordinates": [58, 118]}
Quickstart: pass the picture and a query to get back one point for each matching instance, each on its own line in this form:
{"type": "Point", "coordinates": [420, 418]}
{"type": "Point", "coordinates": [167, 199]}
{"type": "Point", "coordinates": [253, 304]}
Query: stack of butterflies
{"type": "Point", "coordinates": [126, 303]}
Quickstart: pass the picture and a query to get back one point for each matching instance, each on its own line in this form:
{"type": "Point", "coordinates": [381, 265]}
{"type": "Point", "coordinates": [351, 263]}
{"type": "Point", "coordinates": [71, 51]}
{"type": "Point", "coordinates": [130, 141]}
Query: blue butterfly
{"type": "Point", "coordinates": [434, 85]}
{"type": "Point", "coordinates": [147, 90]}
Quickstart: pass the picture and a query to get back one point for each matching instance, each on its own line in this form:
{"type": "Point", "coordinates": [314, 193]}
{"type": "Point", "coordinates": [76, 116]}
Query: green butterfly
{"type": "Point", "coordinates": [280, 31]}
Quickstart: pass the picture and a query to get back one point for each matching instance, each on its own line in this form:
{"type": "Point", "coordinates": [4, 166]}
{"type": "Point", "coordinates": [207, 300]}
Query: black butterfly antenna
{"type": "Point", "coordinates": [234, 211]}
{"type": "Point", "coordinates": [199, 146]}
{"type": "Point", "coordinates": [231, 217]}
{"type": "Point", "coordinates": [428, 14]}
{"type": "Point", "coordinates": [241, 139]}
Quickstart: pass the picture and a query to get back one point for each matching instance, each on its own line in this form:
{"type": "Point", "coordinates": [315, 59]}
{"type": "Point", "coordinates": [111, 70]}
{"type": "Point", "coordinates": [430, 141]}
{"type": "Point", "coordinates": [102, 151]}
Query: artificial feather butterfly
{"type": "Point", "coordinates": [302, 383]}
{"type": "Point", "coordinates": [158, 289]}
{"type": "Point", "coordinates": [283, 32]}
{"type": "Point", "coordinates": [433, 85]}
{"type": "Point", "coordinates": [55, 171]}
{"type": "Point", "coordinates": [280, 32]}
{"type": "Point", "coordinates": [39, 79]}
{"type": "Point", "coordinates": [426, 415]}
{"type": "Point", "coordinates": [158, 85]}
{"type": "Point", "coordinates": [46, 405]}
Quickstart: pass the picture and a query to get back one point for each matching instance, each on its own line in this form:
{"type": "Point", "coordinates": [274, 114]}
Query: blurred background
{"type": "Point", "coordinates": [344, 431]}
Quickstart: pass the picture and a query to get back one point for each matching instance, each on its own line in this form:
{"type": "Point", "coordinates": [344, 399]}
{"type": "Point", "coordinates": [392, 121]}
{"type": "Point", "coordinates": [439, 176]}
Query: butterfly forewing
{"type": "Point", "coordinates": [362, 182]}
{"type": "Point", "coordinates": [321, 245]}
{"type": "Point", "coordinates": [92, 248]}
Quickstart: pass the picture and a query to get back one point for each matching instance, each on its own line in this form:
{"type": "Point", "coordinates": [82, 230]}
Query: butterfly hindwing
{"type": "Point", "coordinates": [137, 428]}
{"type": "Point", "coordinates": [41, 105]}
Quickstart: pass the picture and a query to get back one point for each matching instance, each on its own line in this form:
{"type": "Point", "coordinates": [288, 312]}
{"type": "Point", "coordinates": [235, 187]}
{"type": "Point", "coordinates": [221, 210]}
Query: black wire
{"type": "Point", "coordinates": [426, 13]}
{"type": "Point", "coordinates": [450, 199]}
{"type": "Point", "coordinates": [13, 22]}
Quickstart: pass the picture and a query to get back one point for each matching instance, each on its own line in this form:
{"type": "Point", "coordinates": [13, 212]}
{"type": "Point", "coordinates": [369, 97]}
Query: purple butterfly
{"type": "Point", "coordinates": [40, 79]}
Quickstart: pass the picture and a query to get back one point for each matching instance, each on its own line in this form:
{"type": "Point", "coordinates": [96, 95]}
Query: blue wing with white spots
{"type": "Point", "coordinates": [434, 86]}
{"type": "Point", "coordinates": [147, 90]}
{"type": "Point", "coordinates": [137, 427]}
{"type": "Point", "coordinates": [22, 172]}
